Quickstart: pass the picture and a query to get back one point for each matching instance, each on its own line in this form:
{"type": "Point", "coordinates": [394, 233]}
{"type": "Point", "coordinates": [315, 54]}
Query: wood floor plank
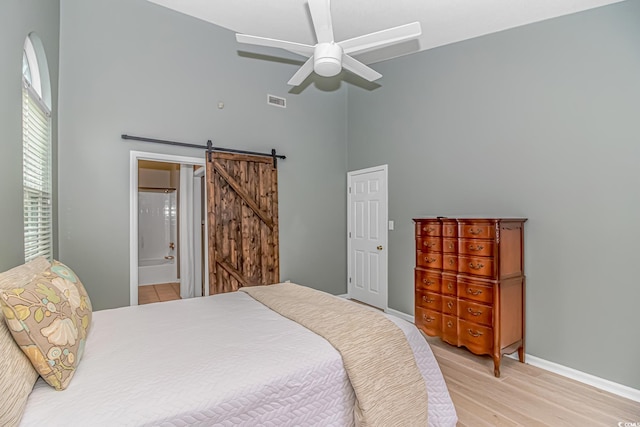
{"type": "Point", "coordinates": [492, 395]}
{"type": "Point", "coordinates": [574, 399]}
{"type": "Point", "coordinates": [524, 395]}
{"type": "Point", "coordinates": [593, 396]}
{"type": "Point", "coordinates": [476, 414]}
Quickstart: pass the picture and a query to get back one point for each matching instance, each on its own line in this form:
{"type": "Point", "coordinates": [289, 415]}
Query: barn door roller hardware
{"type": "Point", "coordinates": [209, 148]}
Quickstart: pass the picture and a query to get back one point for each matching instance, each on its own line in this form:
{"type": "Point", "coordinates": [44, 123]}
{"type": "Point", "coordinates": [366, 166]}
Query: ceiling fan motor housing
{"type": "Point", "coordinates": [327, 59]}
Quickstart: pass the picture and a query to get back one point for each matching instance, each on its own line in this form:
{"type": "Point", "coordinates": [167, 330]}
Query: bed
{"type": "Point", "coordinates": [221, 360]}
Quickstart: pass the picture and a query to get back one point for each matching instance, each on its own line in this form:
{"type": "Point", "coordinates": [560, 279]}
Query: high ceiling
{"type": "Point", "coordinates": [443, 21]}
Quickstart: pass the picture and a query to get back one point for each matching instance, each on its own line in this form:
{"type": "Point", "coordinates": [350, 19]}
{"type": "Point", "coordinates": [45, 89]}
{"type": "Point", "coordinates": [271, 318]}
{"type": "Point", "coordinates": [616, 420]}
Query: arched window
{"type": "Point", "coordinates": [36, 146]}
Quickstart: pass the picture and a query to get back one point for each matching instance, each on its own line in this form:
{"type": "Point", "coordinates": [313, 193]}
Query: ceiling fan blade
{"type": "Point", "coordinates": [357, 67]}
{"type": "Point", "coordinates": [302, 73]}
{"type": "Point", "coordinates": [321, 16]}
{"type": "Point", "coordinates": [382, 38]}
{"type": "Point", "coordinates": [299, 48]}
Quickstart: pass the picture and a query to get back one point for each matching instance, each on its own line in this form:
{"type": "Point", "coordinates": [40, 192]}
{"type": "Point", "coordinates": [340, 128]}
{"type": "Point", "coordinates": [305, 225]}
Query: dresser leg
{"type": "Point", "coordinates": [496, 366]}
{"type": "Point", "coordinates": [521, 354]}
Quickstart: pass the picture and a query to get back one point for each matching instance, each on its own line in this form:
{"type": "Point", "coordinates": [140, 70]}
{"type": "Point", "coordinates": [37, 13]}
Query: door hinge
{"type": "Point", "coordinates": [349, 190]}
{"type": "Point", "coordinates": [349, 234]}
{"type": "Point", "coordinates": [349, 279]}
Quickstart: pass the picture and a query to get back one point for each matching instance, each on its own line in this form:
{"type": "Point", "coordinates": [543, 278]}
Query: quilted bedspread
{"type": "Point", "coordinates": [377, 356]}
{"type": "Point", "coordinates": [224, 360]}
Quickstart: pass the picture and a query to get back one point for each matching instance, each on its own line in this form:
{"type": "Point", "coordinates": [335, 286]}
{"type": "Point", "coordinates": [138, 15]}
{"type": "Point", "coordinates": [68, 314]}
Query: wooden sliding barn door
{"type": "Point", "coordinates": [242, 214]}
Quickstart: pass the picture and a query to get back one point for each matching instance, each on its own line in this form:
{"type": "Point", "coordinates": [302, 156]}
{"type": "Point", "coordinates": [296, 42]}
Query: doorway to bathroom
{"type": "Point", "coordinates": [167, 229]}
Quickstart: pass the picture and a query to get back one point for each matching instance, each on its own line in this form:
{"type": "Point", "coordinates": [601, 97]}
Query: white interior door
{"type": "Point", "coordinates": [197, 230]}
{"type": "Point", "coordinates": [367, 236]}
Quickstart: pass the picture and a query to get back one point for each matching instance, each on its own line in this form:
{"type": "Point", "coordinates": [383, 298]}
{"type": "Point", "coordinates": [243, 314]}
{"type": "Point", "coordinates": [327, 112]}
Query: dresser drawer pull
{"type": "Point", "coordinates": [475, 334]}
{"type": "Point", "coordinates": [476, 231]}
{"type": "Point", "coordinates": [474, 291]}
{"type": "Point", "coordinates": [429, 229]}
{"type": "Point", "coordinates": [450, 304]}
{"type": "Point", "coordinates": [429, 245]}
{"type": "Point", "coordinates": [477, 266]}
{"type": "Point", "coordinates": [427, 282]}
{"type": "Point", "coordinates": [474, 313]}
{"type": "Point", "coordinates": [427, 318]}
{"type": "Point", "coordinates": [427, 300]}
{"type": "Point", "coordinates": [450, 324]}
{"type": "Point", "coordinates": [451, 246]}
{"type": "Point", "coordinates": [450, 286]}
{"type": "Point", "coordinates": [476, 247]}
{"type": "Point", "coordinates": [429, 260]}
{"type": "Point", "coordinates": [452, 261]}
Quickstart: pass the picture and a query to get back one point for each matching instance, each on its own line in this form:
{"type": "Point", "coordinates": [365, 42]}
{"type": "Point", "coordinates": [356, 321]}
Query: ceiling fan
{"type": "Point", "coordinates": [328, 57]}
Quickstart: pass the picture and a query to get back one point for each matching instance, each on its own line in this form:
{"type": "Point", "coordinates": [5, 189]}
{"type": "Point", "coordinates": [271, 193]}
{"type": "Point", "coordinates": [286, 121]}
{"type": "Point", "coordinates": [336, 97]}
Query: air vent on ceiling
{"type": "Point", "coordinates": [276, 101]}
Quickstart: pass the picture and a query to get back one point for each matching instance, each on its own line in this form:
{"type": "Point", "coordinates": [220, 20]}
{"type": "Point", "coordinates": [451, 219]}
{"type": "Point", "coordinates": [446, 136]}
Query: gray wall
{"type": "Point", "coordinates": [541, 122]}
{"type": "Point", "coordinates": [18, 18]}
{"type": "Point", "coordinates": [130, 66]}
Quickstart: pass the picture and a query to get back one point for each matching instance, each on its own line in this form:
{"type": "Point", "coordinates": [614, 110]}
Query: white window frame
{"type": "Point", "coordinates": [36, 163]}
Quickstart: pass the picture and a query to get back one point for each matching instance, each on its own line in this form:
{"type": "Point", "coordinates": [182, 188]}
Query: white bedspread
{"type": "Point", "coordinates": [223, 360]}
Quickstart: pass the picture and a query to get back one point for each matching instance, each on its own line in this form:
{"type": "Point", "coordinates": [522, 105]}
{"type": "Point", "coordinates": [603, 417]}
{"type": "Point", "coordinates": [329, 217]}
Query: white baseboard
{"type": "Point", "coordinates": [345, 296]}
{"type": "Point", "coordinates": [583, 377]}
{"type": "Point", "coordinates": [400, 314]}
{"type": "Point", "coordinates": [597, 382]}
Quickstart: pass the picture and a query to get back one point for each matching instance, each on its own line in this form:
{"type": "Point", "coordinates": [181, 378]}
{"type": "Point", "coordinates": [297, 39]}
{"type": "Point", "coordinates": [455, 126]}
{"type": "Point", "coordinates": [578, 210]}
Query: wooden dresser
{"type": "Point", "coordinates": [470, 283]}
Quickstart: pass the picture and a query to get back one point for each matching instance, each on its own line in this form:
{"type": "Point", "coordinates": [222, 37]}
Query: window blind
{"type": "Point", "coordinates": [36, 164]}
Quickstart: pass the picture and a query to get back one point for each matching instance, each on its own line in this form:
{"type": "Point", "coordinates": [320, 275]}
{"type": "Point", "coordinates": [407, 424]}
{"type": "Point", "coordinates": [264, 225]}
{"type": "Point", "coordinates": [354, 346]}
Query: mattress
{"type": "Point", "coordinates": [216, 361]}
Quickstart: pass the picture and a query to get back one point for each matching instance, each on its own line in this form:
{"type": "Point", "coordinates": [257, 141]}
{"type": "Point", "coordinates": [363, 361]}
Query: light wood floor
{"type": "Point", "coordinates": [524, 395]}
{"type": "Point", "coordinates": [158, 293]}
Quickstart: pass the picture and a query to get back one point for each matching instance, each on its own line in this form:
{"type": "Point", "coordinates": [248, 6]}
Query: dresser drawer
{"type": "Point", "coordinates": [449, 228]}
{"type": "Point", "coordinates": [477, 338]}
{"type": "Point", "coordinates": [429, 244]}
{"type": "Point", "coordinates": [450, 305]}
{"type": "Point", "coordinates": [429, 260]}
{"type": "Point", "coordinates": [475, 247]}
{"type": "Point", "coordinates": [450, 329]}
{"type": "Point", "coordinates": [478, 266]}
{"type": "Point", "coordinates": [428, 228]}
{"type": "Point", "coordinates": [475, 312]}
{"type": "Point", "coordinates": [477, 230]}
{"type": "Point", "coordinates": [476, 291]}
{"type": "Point", "coordinates": [450, 262]}
{"type": "Point", "coordinates": [449, 286]}
{"type": "Point", "coordinates": [427, 280]}
{"type": "Point", "coordinates": [429, 300]}
{"type": "Point", "coordinates": [429, 321]}
{"type": "Point", "coordinates": [449, 245]}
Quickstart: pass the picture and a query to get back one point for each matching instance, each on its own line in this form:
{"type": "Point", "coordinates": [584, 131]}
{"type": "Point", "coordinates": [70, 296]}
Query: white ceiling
{"type": "Point", "coordinates": [443, 21]}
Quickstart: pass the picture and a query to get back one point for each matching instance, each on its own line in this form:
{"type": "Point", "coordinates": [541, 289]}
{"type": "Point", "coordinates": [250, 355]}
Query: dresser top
{"type": "Point", "coordinates": [469, 217]}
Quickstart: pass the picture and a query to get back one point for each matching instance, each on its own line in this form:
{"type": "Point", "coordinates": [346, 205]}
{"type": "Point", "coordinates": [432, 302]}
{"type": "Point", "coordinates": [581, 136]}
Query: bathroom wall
{"type": "Point", "coordinates": [156, 224]}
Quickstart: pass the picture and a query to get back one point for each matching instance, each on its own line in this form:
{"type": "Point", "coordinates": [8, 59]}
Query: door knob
{"type": "Point", "coordinates": [379, 248]}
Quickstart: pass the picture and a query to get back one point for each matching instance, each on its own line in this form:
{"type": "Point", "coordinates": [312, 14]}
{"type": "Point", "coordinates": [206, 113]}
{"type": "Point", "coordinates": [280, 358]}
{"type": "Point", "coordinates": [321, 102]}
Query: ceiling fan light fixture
{"type": "Point", "coordinates": [327, 59]}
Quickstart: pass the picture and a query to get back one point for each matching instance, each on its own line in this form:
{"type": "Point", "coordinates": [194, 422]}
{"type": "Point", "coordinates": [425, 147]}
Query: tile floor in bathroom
{"type": "Point", "coordinates": [158, 293]}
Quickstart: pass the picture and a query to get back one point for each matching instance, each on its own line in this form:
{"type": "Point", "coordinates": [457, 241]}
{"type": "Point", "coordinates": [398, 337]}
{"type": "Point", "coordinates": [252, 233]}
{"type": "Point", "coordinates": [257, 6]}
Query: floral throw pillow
{"type": "Point", "coordinates": [49, 319]}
